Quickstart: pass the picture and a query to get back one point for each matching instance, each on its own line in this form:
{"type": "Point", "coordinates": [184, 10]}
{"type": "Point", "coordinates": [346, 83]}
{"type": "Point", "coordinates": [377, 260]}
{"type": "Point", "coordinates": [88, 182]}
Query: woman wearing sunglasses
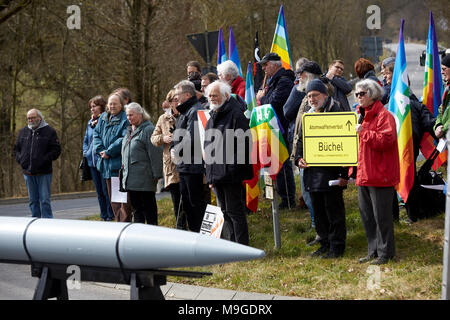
{"type": "Point", "coordinates": [377, 172]}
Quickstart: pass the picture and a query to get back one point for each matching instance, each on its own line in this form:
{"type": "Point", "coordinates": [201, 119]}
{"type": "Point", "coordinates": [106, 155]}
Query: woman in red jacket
{"type": "Point", "coordinates": [378, 171]}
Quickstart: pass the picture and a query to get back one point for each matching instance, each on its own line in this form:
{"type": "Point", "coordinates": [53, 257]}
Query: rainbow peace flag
{"type": "Point", "coordinates": [432, 92]}
{"type": "Point", "coordinates": [250, 97]}
{"type": "Point", "coordinates": [221, 53]}
{"type": "Point", "coordinates": [399, 106]}
{"type": "Point", "coordinates": [280, 43]}
{"type": "Point", "coordinates": [233, 51]}
{"type": "Point", "coordinates": [268, 149]}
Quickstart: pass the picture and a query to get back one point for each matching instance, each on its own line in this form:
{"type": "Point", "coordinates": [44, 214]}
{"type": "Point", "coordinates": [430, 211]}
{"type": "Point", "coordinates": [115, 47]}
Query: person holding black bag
{"type": "Point", "coordinates": [97, 106]}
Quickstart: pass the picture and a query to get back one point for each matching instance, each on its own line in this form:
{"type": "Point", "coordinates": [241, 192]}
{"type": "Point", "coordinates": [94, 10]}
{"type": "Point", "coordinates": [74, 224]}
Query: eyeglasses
{"type": "Point", "coordinates": [360, 94]}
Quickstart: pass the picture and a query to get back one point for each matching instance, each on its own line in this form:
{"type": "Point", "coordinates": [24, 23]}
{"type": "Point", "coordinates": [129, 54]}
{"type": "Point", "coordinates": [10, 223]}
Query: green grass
{"type": "Point", "coordinates": [415, 273]}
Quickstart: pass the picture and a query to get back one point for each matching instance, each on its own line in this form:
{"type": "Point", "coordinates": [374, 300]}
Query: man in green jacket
{"type": "Point", "coordinates": [443, 119]}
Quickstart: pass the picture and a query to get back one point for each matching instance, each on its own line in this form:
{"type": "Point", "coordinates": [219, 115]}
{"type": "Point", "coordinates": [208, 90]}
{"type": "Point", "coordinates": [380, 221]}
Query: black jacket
{"type": "Point", "coordinates": [278, 91]}
{"type": "Point", "coordinates": [316, 178]}
{"type": "Point", "coordinates": [186, 138]}
{"type": "Point", "coordinates": [35, 150]}
{"type": "Point", "coordinates": [422, 121]}
{"type": "Point", "coordinates": [228, 161]}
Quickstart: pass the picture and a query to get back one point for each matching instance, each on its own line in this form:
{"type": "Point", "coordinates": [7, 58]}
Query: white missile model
{"type": "Point", "coordinates": [131, 246]}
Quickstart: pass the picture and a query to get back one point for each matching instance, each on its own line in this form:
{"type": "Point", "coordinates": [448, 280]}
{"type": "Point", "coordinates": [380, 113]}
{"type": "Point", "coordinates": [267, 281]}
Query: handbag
{"type": "Point", "coordinates": [85, 171]}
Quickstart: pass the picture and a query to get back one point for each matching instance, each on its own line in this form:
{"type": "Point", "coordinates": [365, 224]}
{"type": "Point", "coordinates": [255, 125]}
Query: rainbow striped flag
{"type": "Point", "coordinates": [250, 97]}
{"type": "Point", "coordinates": [399, 106]}
{"type": "Point", "coordinates": [233, 51]}
{"type": "Point", "coordinates": [433, 90]}
{"type": "Point", "coordinates": [280, 43]}
{"type": "Point", "coordinates": [221, 53]}
{"type": "Point", "coordinates": [268, 149]}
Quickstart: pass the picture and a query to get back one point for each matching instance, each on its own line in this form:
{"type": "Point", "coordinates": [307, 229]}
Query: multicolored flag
{"type": "Point", "coordinates": [280, 43]}
{"type": "Point", "coordinates": [268, 149]}
{"type": "Point", "coordinates": [399, 106]}
{"type": "Point", "coordinates": [432, 92]}
{"type": "Point", "coordinates": [250, 97]}
{"type": "Point", "coordinates": [221, 53]}
{"type": "Point", "coordinates": [233, 51]}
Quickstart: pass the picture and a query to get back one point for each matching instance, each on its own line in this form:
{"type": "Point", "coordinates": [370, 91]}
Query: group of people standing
{"type": "Point", "coordinates": [117, 140]}
{"type": "Point", "coordinates": [121, 140]}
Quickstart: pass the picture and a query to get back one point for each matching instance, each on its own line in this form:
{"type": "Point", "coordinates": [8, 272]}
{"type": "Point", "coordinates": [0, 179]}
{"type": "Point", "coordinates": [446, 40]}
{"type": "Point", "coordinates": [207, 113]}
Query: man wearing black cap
{"type": "Point", "coordinates": [327, 201]}
{"type": "Point", "coordinates": [278, 87]}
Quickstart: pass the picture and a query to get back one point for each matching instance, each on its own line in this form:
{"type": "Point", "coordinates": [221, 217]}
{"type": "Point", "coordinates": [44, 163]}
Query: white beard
{"type": "Point", "coordinates": [214, 106]}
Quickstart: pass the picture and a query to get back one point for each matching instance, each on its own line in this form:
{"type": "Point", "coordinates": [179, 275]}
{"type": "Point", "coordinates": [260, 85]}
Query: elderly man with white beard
{"type": "Point", "coordinates": [227, 157]}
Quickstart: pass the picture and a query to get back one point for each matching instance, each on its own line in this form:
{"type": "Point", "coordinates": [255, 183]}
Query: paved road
{"type": "Point", "coordinates": [75, 208]}
{"type": "Point", "coordinates": [16, 282]}
{"type": "Point", "coordinates": [415, 71]}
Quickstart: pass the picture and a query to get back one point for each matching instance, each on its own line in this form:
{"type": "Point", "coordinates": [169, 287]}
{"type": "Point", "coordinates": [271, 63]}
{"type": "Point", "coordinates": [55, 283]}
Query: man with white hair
{"type": "Point", "coordinates": [227, 157]}
{"type": "Point", "coordinates": [279, 85]}
{"type": "Point", "coordinates": [229, 73]}
{"type": "Point", "coordinates": [36, 147]}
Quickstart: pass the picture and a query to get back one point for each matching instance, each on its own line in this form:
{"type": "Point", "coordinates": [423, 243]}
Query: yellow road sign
{"type": "Point", "coordinates": [330, 139]}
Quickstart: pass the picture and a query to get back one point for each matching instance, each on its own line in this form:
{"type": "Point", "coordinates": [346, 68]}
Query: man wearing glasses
{"type": "Point", "coordinates": [36, 147]}
{"type": "Point", "coordinates": [341, 87]}
{"type": "Point", "coordinates": [187, 155]}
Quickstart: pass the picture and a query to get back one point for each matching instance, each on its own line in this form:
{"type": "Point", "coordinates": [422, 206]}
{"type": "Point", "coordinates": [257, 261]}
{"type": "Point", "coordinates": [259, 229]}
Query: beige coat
{"type": "Point", "coordinates": [162, 128]}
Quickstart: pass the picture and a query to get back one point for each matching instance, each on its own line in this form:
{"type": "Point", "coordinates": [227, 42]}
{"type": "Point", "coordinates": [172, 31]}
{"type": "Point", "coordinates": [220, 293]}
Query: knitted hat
{"type": "Point", "coordinates": [316, 85]}
{"type": "Point", "coordinates": [446, 61]}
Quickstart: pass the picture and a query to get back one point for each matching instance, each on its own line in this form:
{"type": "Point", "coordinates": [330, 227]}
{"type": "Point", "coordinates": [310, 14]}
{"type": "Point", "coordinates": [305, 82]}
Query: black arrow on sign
{"type": "Point", "coordinates": [349, 124]}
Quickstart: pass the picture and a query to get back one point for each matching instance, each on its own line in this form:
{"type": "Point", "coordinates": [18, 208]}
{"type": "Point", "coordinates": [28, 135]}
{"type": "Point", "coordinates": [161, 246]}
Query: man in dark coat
{"type": "Point", "coordinates": [327, 201]}
{"type": "Point", "coordinates": [342, 88]}
{"type": "Point", "coordinates": [187, 155]}
{"type": "Point", "coordinates": [36, 147]}
{"type": "Point", "coordinates": [227, 157]}
{"type": "Point", "coordinates": [278, 88]}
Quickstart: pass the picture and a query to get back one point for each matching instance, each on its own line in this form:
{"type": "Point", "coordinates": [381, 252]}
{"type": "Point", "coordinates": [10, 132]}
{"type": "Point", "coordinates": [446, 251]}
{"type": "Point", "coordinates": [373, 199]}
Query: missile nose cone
{"type": "Point", "coordinates": [213, 251]}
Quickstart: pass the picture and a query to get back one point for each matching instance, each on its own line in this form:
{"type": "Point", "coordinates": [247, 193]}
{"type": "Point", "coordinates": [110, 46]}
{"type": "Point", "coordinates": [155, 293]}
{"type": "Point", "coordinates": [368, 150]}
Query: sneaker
{"type": "Point", "coordinates": [320, 251]}
{"type": "Point", "coordinates": [381, 260]}
{"type": "Point", "coordinates": [368, 258]}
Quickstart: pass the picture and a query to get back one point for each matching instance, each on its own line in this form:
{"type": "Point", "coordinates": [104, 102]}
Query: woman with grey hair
{"type": "Point", "coordinates": [141, 165]}
{"type": "Point", "coordinates": [229, 73]}
{"type": "Point", "coordinates": [378, 171]}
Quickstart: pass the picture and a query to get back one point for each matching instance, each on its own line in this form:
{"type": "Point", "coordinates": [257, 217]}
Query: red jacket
{"type": "Point", "coordinates": [238, 87]}
{"type": "Point", "coordinates": [378, 160]}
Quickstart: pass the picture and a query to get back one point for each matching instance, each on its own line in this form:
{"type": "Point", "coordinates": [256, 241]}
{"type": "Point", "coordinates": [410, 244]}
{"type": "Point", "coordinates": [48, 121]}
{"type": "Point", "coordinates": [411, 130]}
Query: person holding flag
{"type": "Point", "coordinates": [279, 86]}
{"type": "Point", "coordinates": [443, 119]}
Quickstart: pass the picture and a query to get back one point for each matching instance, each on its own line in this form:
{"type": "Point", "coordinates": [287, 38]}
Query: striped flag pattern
{"type": "Point", "coordinates": [250, 97]}
{"type": "Point", "coordinates": [233, 52]}
{"type": "Point", "coordinates": [221, 53]}
{"type": "Point", "coordinates": [399, 106]}
{"type": "Point", "coordinates": [432, 91]}
{"type": "Point", "coordinates": [280, 43]}
{"type": "Point", "coordinates": [268, 149]}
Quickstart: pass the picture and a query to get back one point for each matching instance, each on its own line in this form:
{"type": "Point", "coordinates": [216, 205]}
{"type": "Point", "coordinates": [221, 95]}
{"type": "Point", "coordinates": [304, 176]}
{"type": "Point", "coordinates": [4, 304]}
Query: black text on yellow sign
{"type": "Point", "coordinates": [330, 139]}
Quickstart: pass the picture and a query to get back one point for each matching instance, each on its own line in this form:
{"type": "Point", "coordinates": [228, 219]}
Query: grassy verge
{"type": "Point", "coordinates": [416, 272]}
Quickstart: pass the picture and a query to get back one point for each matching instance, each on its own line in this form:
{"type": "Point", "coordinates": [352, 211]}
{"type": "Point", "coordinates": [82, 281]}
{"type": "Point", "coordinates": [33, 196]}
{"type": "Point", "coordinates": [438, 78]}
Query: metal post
{"type": "Point", "coordinates": [446, 264]}
{"type": "Point", "coordinates": [276, 220]}
{"type": "Point", "coordinates": [208, 58]}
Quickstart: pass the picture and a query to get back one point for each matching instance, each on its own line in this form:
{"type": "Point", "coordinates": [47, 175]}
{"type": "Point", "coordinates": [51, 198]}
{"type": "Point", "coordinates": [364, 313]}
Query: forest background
{"type": "Point", "coordinates": [142, 45]}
